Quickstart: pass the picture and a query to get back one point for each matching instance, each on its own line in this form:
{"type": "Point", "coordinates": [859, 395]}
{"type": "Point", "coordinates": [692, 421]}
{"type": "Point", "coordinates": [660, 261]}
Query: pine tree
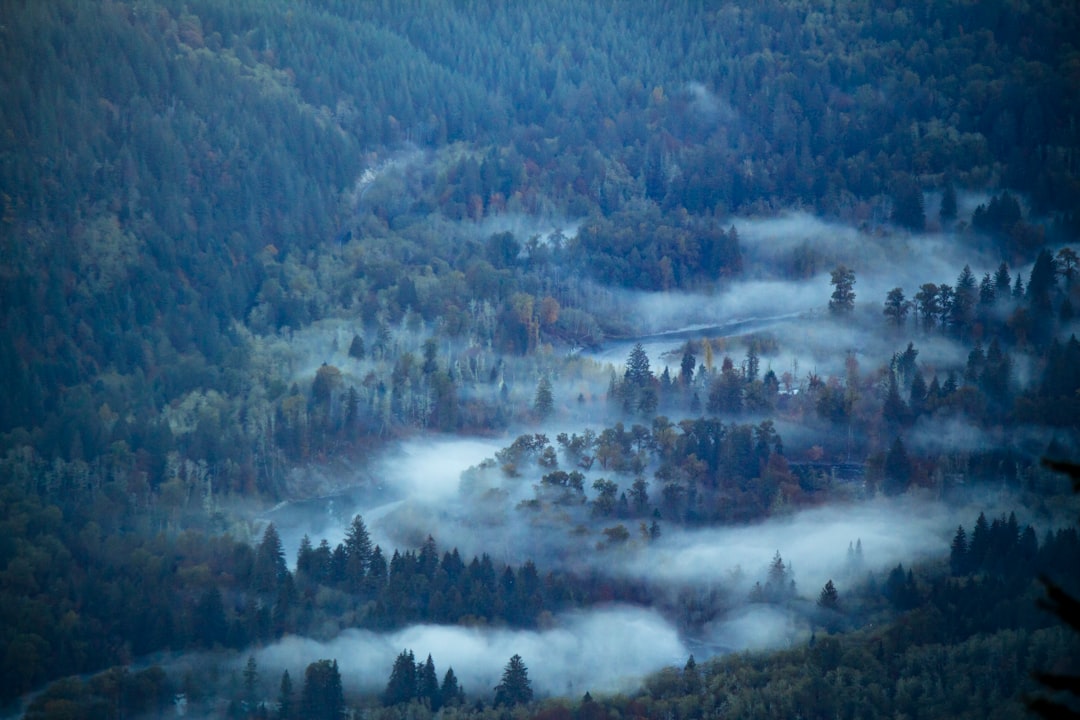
{"type": "Point", "coordinates": [285, 697]}
{"type": "Point", "coordinates": [691, 678]}
{"type": "Point", "coordinates": [544, 402]}
{"type": "Point", "coordinates": [896, 307]}
{"type": "Point", "coordinates": [842, 300]}
{"type": "Point", "coordinates": [829, 599]}
{"type": "Point", "coordinates": [1002, 282]}
{"type": "Point", "coordinates": [322, 697]}
{"type": "Point", "coordinates": [251, 680]}
{"type": "Point", "coordinates": [897, 468]}
{"type": "Point", "coordinates": [947, 212]}
{"type": "Point", "coordinates": [515, 688]}
{"type": "Point", "coordinates": [357, 554]}
{"type": "Point", "coordinates": [427, 685]}
{"type": "Point", "coordinates": [450, 692]}
{"type": "Point", "coordinates": [401, 687]}
{"type": "Point", "coordinates": [357, 351]}
{"type": "Point", "coordinates": [958, 553]}
{"type": "Point", "coordinates": [269, 567]}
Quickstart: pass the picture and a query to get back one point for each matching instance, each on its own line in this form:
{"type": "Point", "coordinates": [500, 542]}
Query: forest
{"type": "Point", "coordinates": [556, 360]}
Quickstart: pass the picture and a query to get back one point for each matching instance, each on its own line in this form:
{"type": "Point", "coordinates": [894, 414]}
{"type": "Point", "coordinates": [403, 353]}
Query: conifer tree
{"type": "Point", "coordinates": [285, 697]}
{"type": "Point", "coordinates": [544, 402]}
{"type": "Point", "coordinates": [450, 691]}
{"type": "Point", "coordinates": [427, 684]}
{"type": "Point", "coordinates": [514, 688]}
{"type": "Point", "coordinates": [322, 697]}
{"type": "Point", "coordinates": [897, 468]}
{"type": "Point", "coordinates": [842, 300]}
{"type": "Point", "coordinates": [269, 567]}
{"type": "Point", "coordinates": [958, 553]}
{"type": "Point", "coordinates": [401, 687]}
{"type": "Point", "coordinates": [829, 599]}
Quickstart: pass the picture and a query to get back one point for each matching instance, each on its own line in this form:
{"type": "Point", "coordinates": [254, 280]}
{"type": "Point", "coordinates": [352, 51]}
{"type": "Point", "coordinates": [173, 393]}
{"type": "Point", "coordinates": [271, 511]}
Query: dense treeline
{"type": "Point", "coordinates": [79, 597]}
{"type": "Point", "coordinates": [957, 640]}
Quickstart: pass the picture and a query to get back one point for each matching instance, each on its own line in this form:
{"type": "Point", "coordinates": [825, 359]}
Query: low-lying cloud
{"type": "Point", "coordinates": [601, 650]}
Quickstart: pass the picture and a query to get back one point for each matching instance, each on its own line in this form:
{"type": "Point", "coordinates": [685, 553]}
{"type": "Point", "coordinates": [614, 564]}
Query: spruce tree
{"type": "Point", "coordinates": [829, 599]}
{"type": "Point", "coordinates": [842, 300]}
{"type": "Point", "coordinates": [401, 687]}
{"type": "Point", "coordinates": [450, 691]}
{"type": "Point", "coordinates": [958, 553]}
{"type": "Point", "coordinates": [897, 468]}
{"type": "Point", "coordinates": [544, 402]}
{"type": "Point", "coordinates": [427, 684]}
{"type": "Point", "coordinates": [322, 697]}
{"type": "Point", "coordinates": [285, 697]}
{"type": "Point", "coordinates": [515, 688]}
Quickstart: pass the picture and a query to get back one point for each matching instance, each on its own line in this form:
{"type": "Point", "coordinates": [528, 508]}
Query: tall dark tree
{"type": "Point", "coordinates": [896, 307]}
{"type": "Point", "coordinates": [285, 697]}
{"type": "Point", "coordinates": [322, 697]}
{"type": "Point", "coordinates": [427, 685]}
{"type": "Point", "coordinates": [898, 468]}
{"type": "Point", "coordinates": [958, 553]}
{"type": "Point", "coordinates": [269, 568]}
{"type": "Point", "coordinates": [357, 351]}
{"type": "Point", "coordinates": [829, 598]}
{"type": "Point", "coordinates": [401, 687]}
{"type": "Point", "coordinates": [842, 300]}
{"type": "Point", "coordinates": [357, 554]}
{"type": "Point", "coordinates": [965, 296]}
{"type": "Point", "coordinates": [1042, 282]}
{"type": "Point", "coordinates": [908, 209]}
{"type": "Point", "coordinates": [686, 368]}
{"type": "Point", "coordinates": [947, 212]}
{"type": "Point", "coordinates": [926, 300]}
{"type": "Point", "coordinates": [544, 402]}
{"type": "Point", "coordinates": [515, 687]}
{"type": "Point", "coordinates": [450, 691]}
{"type": "Point", "coordinates": [1002, 282]}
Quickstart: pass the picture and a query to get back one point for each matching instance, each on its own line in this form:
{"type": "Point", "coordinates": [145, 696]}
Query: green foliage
{"type": "Point", "coordinates": [514, 688]}
{"type": "Point", "coordinates": [322, 697]}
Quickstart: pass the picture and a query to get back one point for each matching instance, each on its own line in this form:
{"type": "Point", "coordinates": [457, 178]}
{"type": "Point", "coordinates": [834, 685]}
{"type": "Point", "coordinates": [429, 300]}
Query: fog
{"type": "Point", "coordinates": [812, 542]}
{"type": "Point", "coordinates": [606, 649]}
{"type": "Point", "coordinates": [452, 490]}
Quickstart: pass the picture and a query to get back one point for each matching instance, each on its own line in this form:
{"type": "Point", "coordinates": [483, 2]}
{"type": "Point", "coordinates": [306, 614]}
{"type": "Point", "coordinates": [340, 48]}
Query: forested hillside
{"type": "Point", "coordinates": [247, 248]}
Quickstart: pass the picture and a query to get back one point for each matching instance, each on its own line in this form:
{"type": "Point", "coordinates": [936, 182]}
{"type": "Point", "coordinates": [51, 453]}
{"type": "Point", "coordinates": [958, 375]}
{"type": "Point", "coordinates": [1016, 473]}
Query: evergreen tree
{"type": "Point", "coordinates": [1002, 282]}
{"type": "Point", "coordinates": [691, 677]}
{"type": "Point", "coordinates": [908, 209]}
{"type": "Point", "coordinates": [357, 351]}
{"type": "Point", "coordinates": [251, 681]}
{"type": "Point", "coordinates": [269, 567]}
{"type": "Point", "coordinates": [285, 697]}
{"type": "Point", "coordinates": [979, 544]}
{"type": "Point", "coordinates": [962, 312]}
{"type": "Point", "coordinates": [898, 468]}
{"type": "Point", "coordinates": [357, 554]}
{"type": "Point", "coordinates": [322, 697]}
{"type": "Point", "coordinates": [686, 368]}
{"type": "Point", "coordinates": [514, 688]}
{"type": "Point", "coordinates": [401, 687]}
{"type": "Point", "coordinates": [829, 599]}
{"type": "Point", "coordinates": [958, 553]}
{"type": "Point", "coordinates": [842, 300]}
{"type": "Point", "coordinates": [896, 307]}
{"type": "Point", "coordinates": [427, 685]}
{"type": "Point", "coordinates": [1041, 281]}
{"type": "Point", "coordinates": [544, 402]}
{"type": "Point", "coordinates": [450, 692]}
{"type": "Point", "coordinates": [947, 212]}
